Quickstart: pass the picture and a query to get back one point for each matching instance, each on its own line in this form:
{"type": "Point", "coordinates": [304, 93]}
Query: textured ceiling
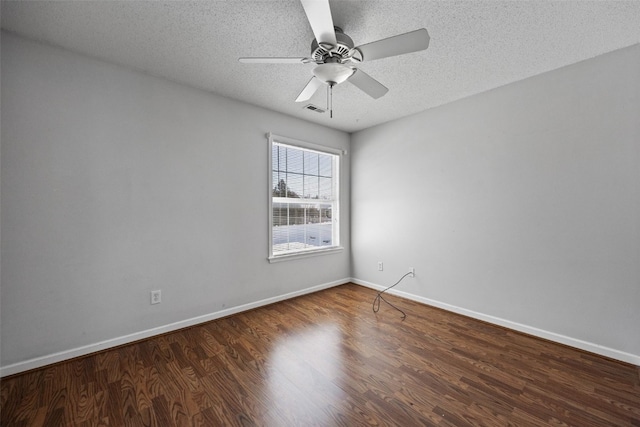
{"type": "Point", "coordinates": [475, 46]}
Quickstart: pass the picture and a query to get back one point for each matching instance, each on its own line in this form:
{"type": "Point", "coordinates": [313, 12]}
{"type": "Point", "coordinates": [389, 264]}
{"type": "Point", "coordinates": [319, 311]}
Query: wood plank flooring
{"type": "Point", "coordinates": [326, 359]}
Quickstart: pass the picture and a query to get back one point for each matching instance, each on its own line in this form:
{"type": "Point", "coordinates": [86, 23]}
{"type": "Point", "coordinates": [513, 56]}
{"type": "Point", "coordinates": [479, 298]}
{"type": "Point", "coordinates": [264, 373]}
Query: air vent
{"type": "Point", "coordinates": [315, 108]}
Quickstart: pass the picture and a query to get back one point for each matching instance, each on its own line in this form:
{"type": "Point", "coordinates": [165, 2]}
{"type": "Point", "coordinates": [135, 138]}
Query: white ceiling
{"type": "Point", "coordinates": [475, 45]}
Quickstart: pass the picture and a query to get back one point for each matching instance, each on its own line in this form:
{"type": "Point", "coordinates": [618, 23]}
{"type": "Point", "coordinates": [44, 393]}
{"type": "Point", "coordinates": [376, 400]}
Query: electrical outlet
{"type": "Point", "coordinates": [412, 271]}
{"type": "Point", "coordinates": [156, 297]}
{"type": "Point", "coordinates": [379, 265]}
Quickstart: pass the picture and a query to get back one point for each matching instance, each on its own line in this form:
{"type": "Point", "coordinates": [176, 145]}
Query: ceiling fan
{"type": "Point", "coordinates": [336, 57]}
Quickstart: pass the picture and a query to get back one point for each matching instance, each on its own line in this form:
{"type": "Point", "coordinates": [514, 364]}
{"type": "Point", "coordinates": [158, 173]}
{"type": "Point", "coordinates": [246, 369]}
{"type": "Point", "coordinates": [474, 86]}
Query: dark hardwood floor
{"type": "Point", "coordinates": [326, 359]}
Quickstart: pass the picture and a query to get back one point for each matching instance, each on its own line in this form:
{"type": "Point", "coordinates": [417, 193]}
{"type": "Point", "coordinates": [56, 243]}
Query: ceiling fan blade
{"type": "Point", "coordinates": [319, 16]}
{"type": "Point", "coordinates": [274, 60]}
{"type": "Point", "coordinates": [396, 45]}
{"type": "Point", "coordinates": [311, 88]}
{"type": "Point", "coordinates": [368, 84]}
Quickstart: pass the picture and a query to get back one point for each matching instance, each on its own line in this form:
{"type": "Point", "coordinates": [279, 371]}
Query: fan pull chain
{"type": "Point", "coordinates": [330, 100]}
{"type": "Point", "coordinates": [331, 104]}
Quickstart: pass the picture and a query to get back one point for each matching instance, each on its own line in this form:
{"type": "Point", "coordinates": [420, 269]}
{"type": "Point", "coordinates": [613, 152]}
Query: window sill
{"type": "Point", "coordinates": [305, 254]}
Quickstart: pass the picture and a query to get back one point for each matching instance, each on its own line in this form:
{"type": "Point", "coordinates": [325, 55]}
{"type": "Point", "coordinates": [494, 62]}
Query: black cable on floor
{"type": "Point", "coordinates": [376, 300]}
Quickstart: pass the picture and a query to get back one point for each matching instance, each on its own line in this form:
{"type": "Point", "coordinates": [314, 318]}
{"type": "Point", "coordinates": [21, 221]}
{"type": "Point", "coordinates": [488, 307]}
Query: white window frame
{"type": "Point", "coordinates": [303, 253]}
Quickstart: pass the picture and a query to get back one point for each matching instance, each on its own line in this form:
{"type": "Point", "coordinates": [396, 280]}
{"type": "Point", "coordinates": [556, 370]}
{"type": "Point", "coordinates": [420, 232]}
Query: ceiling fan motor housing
{"type": "Point", "coordinates": [320, 53]}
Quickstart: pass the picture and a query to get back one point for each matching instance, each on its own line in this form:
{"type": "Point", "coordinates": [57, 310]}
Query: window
{"type": "Point", "coordinates": [303, 199]}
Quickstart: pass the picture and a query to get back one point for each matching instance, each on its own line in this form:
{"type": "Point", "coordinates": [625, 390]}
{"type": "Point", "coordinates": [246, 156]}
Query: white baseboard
{"type": "Point", "coordinates": [39, 362]}
{"type": "Point", "coordinates": [551, 336]}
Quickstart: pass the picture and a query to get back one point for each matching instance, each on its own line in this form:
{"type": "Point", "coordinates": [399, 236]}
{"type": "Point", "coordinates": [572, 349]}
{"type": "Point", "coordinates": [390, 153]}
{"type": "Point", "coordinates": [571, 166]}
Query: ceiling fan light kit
{"type": "Point", "coordinates": [333, 73]}
{"type": "Point", "coordinates": [336, 56]}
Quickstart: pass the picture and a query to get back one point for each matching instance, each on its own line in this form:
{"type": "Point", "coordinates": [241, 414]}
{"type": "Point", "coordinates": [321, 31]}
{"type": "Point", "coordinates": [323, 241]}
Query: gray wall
{"type": "Point", "coordinates": [520, 205]}
{"type": "Point", "coordinates": [115, 183]}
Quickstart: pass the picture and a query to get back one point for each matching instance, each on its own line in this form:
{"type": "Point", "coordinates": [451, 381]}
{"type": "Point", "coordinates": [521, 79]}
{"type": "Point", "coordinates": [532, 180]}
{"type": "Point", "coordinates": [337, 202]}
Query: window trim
{"type": "Point", "coordinates": [272, 138]}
